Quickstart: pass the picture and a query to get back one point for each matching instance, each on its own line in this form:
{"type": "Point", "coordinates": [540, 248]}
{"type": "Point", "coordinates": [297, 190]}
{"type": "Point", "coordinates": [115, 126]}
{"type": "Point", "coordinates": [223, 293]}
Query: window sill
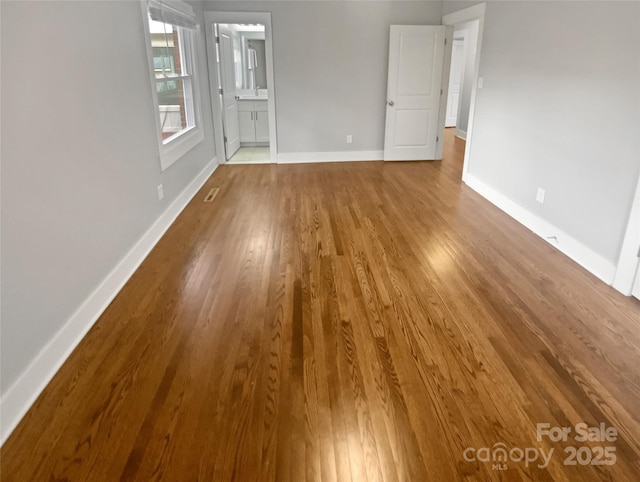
{"type": "Point", "coordinates": [178, 147]}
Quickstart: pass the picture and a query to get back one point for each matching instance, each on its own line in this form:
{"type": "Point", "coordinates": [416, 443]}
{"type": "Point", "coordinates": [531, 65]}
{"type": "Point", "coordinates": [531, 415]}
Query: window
{"type": "Point", "coordinates": [172, 38]}
{"type": "Point", "coordinates": [162, 56]}
{"type": "Point", "coordinates": [174, 82]}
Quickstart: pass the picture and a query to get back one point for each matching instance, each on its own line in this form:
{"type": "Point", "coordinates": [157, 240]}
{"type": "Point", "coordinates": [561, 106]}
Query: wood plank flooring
{"type": "Point", "coordinates": [341, 322]}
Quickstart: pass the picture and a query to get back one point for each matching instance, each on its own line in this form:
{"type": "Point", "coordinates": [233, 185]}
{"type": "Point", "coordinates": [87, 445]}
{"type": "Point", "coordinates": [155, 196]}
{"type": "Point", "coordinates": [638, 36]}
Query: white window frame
{"type": "Point", "coordinates": [176, 146]}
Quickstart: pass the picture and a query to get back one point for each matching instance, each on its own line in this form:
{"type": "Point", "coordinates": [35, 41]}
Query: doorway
{"type": "Point", "coordinates": [240, 60]}
{"type": "Point", "coordinates": [468, 25]}
{"type": "Point", "coordinates": [456, 77]}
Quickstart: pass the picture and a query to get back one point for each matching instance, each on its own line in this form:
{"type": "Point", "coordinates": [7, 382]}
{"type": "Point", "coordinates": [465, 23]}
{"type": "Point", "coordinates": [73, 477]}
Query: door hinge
{"type": "Point", "coordinates": [440, 91]}
{"type": "Point", "coordinates": [225, 138]}
{"type": "Point", "coordinates": [437, 139]}
{"type": "Point", "coordinates": [220, 91]}
{"type": "Point", "coordinates": [217, 40]}
{"type": "Point", "coordinates": [638, 252]}
{"type": "Point", "coordinates": [445, 41]}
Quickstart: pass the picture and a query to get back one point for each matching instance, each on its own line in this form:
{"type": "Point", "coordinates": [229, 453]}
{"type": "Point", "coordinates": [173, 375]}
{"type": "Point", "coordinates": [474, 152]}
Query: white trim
{"type": "Point", "coordinates": [477, 12]}
{"type": "Point", "coordinates": [574, 249]}
{"type": "Point", "coordinates": [461, 134]}
{"type": "Point", "coordinates": [15, 403]}
{"type": "Point", "coordinates": [178, 147]}
{"type": "Point", "coordinates": [345, 156]}
{"type": "Point", "coordinates": [465, 49]}
{"type": "Point", "coordinates": [627, 268]}
{"type": "Point", "coordinates": [444, 92]}
{"type": "Point", "coordinates": [175, 12]}
{"type": "Point", "coordinates": [263, 18]}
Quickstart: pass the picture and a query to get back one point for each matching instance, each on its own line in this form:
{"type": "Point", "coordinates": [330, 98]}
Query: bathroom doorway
{"type": "Point", "coordinates": [241, 76]}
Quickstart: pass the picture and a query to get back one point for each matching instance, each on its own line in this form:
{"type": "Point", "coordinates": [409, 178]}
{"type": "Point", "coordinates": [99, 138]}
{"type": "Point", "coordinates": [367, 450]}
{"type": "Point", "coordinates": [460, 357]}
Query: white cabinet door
{"type": "Point", "coordinates": [254, 120]}
{"type": "Point", "coordinates": [261, 118]}
{"type": "Point", "coordinates": [455, 82]}
{"type": "Point", "coordinates": [262, 126]}
{"type": "Point", "coordinates": [247, 126]}
{"type": "Point", "coordinates": [416, 55]}
{"type": "Point", "coordinates": [230, 111]}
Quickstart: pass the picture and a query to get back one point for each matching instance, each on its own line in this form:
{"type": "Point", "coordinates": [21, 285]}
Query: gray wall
{"type": "Point", "coordinates": [470, 47]}
{"type": "Point", "coordinates": [450, 6]}
{"type": "Point", "coordinates": [560, 110]}
{"type": "Point", "coordinates": [79, 160]}
{"type": "Point", "coordinates": [330, 63]}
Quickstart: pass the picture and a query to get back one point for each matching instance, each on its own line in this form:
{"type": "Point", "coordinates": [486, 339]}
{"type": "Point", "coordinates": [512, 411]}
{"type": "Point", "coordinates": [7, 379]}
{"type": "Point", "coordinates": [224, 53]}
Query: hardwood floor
{"type": "Point", "coordinates": [336, 322]}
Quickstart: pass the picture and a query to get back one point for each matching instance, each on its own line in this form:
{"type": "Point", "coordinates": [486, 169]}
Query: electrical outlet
{"type": "Point", "coordinates": [540, 195]}
{"type": "Point", "coordinates": [349, 139]}
{"type": "Point", "coordinates": [160, 192]}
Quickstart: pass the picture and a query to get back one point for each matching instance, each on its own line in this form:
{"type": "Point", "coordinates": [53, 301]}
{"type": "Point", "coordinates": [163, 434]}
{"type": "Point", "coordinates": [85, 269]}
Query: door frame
{"type": "Point", "coordinates": [628, 268]}
{"type": "Point", "coordinates": [477, 12]}
{"type": "Point", "coordinates": [220, 71]}
{"type": "Point", "coordinates": [464, 57]}
{"type": "Point", "coordinates": [264, 18]}
{"type": "Point", "coordinates": [465, 39]}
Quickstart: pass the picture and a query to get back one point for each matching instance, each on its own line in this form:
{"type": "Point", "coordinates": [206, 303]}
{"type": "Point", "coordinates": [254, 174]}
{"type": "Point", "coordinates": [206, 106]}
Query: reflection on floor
{"type": "Point", "coordinates": [251, 155]}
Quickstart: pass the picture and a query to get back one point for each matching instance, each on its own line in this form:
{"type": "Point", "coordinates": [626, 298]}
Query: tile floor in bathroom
{"type": "Point", "coordinates": [251, 155]}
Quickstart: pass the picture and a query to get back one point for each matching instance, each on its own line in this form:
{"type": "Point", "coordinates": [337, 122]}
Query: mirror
{"type": "Point", "coordinates": [249, 56]}
{"type": "Point", "coordinates": [255, 64]}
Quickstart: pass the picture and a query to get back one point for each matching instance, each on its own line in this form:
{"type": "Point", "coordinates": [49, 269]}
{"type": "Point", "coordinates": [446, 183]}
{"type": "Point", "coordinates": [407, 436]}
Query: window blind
{"type": "Point", "coordinates": [174, 12]}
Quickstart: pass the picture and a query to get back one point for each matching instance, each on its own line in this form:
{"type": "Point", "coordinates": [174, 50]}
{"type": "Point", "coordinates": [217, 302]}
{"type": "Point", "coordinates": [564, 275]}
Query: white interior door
{"type": "Point", "coordinates": [229, 101]}
{"type": "Point", "coordinates": [455, 82]}
{"type": "Point", "coordinates": [416, 54]}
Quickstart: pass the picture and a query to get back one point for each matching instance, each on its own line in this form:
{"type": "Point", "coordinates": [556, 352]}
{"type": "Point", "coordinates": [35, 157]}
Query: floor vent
{"type": "Point", "coordinates": [212, 194]}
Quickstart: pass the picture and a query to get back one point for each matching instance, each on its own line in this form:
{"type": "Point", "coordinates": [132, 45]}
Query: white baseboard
{"type": "Point", "coordinates": [461, 134]}
{"type": "Point", "coordinates": [15, 403]}
{"type": "Point", "coordinates": [254, 144]}
{"type": "Point", "coordinates": [345, 156]}
{"type": "Point", "coordinates": [574, 249]}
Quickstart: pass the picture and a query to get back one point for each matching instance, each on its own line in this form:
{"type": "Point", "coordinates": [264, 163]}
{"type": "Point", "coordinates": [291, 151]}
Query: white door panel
{"type": "Point", "coordinates": [455, 82]}
{"type": "Point", "coordinates": [415, 52]}
{"type": "Point", "coordinates": [229, 101]}
{"type": "Point", "coordinates": [452, 109]}
{"type": "Point", "coordinates": [262, 126]}
{"type": "Point", "coordinates": [247, 129]}
{"type": "Point", "coordinates": [412, 128]}
{"type": "Point", "coordinates": [413, 91]}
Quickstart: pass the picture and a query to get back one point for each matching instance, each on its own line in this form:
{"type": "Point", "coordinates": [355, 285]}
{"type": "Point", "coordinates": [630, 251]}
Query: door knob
{"type": "Point", "coordinates": [391, 103]}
